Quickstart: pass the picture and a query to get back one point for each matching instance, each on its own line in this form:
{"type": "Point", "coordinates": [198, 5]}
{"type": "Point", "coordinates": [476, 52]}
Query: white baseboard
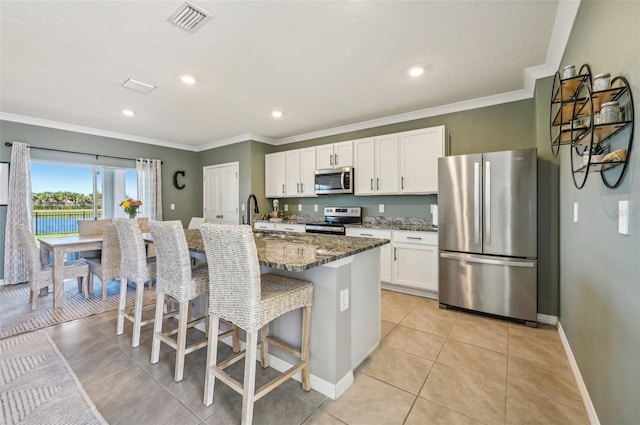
{"type": "Point", "coordinates": [588, 405]}
{"type": "Point", "coordinates": [547, 319]}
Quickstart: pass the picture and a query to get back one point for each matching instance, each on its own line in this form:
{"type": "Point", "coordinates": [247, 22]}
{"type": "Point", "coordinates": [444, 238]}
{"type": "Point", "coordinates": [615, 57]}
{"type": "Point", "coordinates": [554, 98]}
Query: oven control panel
{"type": "Point", "coordinates": [343, 211]}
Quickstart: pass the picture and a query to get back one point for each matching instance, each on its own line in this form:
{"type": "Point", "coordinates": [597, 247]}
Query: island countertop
{"type": "Point", "coordinates": [298, 252]}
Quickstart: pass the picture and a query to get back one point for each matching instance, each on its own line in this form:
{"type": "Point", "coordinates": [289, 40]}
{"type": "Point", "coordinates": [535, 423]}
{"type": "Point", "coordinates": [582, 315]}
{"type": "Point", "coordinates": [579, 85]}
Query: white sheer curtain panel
{"type": "Point", "coordinates": [19, 211]}
{"type": "Point", "coordinates": [150, 187]}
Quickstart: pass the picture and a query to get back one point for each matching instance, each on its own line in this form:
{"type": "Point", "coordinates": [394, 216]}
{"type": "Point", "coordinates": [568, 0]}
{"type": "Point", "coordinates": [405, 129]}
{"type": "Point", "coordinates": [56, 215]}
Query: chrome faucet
{"type": "Point", "coordinates": [255, 202]}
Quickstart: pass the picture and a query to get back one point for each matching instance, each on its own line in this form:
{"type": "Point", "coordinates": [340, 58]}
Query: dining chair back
{"type": "Point", "coordinates": [92, 228]}
{"type": "Point", "coordinates": [107, 267]}
{"type": "Point", "coordinates": [41, 275]}
{"type": "Point", "coordinates": [244, 297]}
{"type": "Point", "coordinates": [134, 266]}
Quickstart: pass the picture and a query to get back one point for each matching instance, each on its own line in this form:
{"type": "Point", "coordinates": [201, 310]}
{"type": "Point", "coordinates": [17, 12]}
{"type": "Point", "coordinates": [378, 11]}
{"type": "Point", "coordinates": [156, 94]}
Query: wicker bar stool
{"type": "Point", "coordinates": [177, 280]}
{"type": "Point", "coordinates": [107, 266]}
{"type": "Point", "coordinates": [41, 275]}
{"type": "Point", "coordinates": [239, 294]}
{"type": "Point", "coordinates": [135, 267]}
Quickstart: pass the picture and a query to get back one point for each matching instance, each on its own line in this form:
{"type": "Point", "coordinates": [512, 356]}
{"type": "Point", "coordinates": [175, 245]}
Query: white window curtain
{"type": "Point", "coordinates": [150, 187]}
{"type": "Point", "coordinates": [19, 211]}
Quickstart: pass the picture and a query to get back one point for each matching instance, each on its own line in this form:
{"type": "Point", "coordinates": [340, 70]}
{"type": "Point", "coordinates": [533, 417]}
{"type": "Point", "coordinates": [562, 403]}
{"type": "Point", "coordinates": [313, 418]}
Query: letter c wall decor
{"type": "Point", "coordinates": [175, 180]}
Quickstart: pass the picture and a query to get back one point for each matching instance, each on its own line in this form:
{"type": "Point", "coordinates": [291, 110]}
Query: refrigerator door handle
{"type": "Point", "coordinates": [476, 203]}
{"type": "Point", "coordinates": [484, 260]}
{"type": "Point", "coordinates": [487, 203]}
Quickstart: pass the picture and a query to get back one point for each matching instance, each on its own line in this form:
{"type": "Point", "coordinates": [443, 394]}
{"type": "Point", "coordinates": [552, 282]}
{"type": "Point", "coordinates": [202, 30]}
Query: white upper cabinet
{"type": "Point", "coordinates": [334, 155]}
{"type": "Point", "coordinates": [290, 173]}
{"type": "Point", "coordinates": [419, 153]}
{"type": "Point", "coordinates": [376, 165]}
{"type": "Point", "coordinates": [301, 167]}
{"type": "Point", "coordinates": [275, 173]}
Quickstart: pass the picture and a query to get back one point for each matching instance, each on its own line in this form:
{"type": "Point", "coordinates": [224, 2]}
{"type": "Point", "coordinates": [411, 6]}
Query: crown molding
{"type": "Point", "coordinates": [236, 139]}
{"type": "Point", "coordinates": [93, 131]}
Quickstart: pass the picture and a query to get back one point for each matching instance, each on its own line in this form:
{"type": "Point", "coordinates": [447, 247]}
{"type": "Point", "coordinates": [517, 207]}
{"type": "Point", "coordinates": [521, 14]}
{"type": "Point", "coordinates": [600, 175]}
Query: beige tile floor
{"type": "Point", "coordinates": [432, 367]}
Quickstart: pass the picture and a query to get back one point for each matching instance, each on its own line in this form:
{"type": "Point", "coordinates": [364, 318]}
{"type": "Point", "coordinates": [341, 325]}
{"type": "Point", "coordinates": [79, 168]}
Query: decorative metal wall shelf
{"type": "Point", "coordinates": [574, 106]}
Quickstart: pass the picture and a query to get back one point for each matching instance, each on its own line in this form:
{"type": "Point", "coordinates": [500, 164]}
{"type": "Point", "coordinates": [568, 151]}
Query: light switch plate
{"type": "Point", "coordinates": [173, 206]}
{"type": "Point", "coordinates": [575, 212]}
{"type": "Point", "coordinates": [623, 217]}
{"type": "Point", "coordinates": [381, 208]}
{"type": "Point", "coordinates": [242, 207]}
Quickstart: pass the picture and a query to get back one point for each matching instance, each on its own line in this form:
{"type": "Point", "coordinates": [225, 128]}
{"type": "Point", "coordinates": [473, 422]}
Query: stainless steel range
{"type": "Point", "coordinates": [334, 220]}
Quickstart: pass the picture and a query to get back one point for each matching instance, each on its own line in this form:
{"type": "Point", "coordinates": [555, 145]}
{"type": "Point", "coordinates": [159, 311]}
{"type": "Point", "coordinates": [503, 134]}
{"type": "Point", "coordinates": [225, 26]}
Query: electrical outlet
{"type": "Point", "coordinates": [623, 217]}
{"type": "Point", "coordinates": [173, 207]}
{"type": "Point", "coordinates": [242, 207]}
{"type": "Point", "coordinates": [299, 207]}
{"type": "Point", "coordinates": [315, 207]}
{"type": "Point", "coordinates": [286, 207]}
{"type": "Point", "coordinates": [344, 299]}
{"type": "Point", "coordinates": [575, 212]}
{"type": "Point", "coordinates": [380, 208]}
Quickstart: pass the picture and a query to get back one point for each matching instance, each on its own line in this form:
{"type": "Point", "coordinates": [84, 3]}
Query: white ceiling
{"type": "Point", "coordinates": [330, 66]}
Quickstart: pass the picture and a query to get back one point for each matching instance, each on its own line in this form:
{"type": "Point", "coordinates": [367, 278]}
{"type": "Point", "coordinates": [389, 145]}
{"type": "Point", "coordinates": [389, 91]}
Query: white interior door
{"type": "Point", "coordinates": [221, 193]}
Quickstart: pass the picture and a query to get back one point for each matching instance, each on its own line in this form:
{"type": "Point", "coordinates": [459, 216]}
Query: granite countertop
{"type": "Point", "coordinates": [389, 223]}
{"type": "Point", "coordinates": [299, 251]}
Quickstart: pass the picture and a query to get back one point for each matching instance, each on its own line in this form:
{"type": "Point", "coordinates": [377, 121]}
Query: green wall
{"type": "Point", "coordinates": [600, 268]}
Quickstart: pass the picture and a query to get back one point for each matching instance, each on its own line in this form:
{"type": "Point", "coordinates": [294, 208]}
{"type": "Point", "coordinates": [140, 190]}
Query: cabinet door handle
{"type": "Point", "coordinates": [395, 254]}
{"type": "Point", "coordinates": [330, 159]}
{"type": "Point", "coordinates": [402, 182]}
{"type": "Point", "coordinates": [288, 228]}
{"type": "Point", "coordinates": [366, 234]}
{"type": "Point", "coordinates": [371, 183]}
{"type": "Point", "coordinates": [297, 187]}
{"type": "Point", "coordinates": [335, 159]}
{"type": "Point", "coordinates": [377, 183]}
{"type": "Point", "coordinates": [414, 238]}
{"type": "Point", "coordinates": [283, 189]}
{"type": "Point", "coordinates": [301, 187]}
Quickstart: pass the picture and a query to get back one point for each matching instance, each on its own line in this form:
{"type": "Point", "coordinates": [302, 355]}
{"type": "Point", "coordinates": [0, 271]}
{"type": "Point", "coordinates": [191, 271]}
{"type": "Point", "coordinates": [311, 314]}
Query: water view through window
{"type": "Point", "coordinates": [64, 194]}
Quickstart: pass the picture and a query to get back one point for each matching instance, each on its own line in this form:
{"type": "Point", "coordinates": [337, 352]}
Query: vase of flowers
{"type": "Point", "coordinates": [131, 206]}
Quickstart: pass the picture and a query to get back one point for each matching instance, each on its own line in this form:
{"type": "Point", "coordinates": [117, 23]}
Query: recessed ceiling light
{"type": "Point", "coordinates": [188, 79]}
{"type": "Point", "coordinates": [416, 71]}
{"type": "Point", "coordinates": [128, 112]}
{"type": "Point", "coordinates": [276, 114]}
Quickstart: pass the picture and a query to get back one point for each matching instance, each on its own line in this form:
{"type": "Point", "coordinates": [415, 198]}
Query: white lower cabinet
{"type": "Point", "coordinates": [415, 260]}
{"type": "Point", "coordinates": [410, 260]}
{"type": "Point", "coordinates": [385, 250]}
{"type": "Point", "coordinates": [288, 227]}
{"type": "Point", "coordinates": [264, 225]}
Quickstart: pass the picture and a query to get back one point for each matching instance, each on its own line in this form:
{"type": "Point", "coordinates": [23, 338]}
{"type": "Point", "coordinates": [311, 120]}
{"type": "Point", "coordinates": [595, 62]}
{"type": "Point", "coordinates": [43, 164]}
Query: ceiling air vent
{"type": "Point", "coordinates": [139, 86]}
{"type": "Point", "coordinates": [189, 17]}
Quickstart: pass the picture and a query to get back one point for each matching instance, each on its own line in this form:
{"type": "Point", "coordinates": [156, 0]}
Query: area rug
{"type": "Point", "coordinates": [37, 385]}
{"type": "Point", "coordinates": [16, 316]}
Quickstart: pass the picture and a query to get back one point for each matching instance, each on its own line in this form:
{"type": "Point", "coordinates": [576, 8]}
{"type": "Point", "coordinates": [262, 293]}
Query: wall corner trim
{"type": "Point", "coordinates": [586, 399]}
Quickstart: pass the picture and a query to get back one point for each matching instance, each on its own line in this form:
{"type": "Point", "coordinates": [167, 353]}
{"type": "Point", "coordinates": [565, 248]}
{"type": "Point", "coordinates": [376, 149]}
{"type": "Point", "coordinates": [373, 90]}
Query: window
{"type": "Point", "coordinates": [64, 194]}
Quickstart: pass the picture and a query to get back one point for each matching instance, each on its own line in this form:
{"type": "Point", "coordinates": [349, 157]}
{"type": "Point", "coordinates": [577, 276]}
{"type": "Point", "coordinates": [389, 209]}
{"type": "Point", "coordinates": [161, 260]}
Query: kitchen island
{"type": "Point", "coordinates": [345, 317]}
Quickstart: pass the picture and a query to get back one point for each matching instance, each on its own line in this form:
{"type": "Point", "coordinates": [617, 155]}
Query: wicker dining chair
{"type": "Point", "coordinates": [134, 266]}
{"type": "Point", "coordinates": [92, 228]}
{"type": "Point", "coordinates": [239, 294]}
{"type": "Point", "coordinates": [196, 257]}
{"type": "Point", "coordinates": [143, 222]}
{"type": "Point", "coordinates": [107, 266]}
{"type": "Point", "coordinates": [176, 279]}
{"type": "Point", "coordinates": [41, 275]}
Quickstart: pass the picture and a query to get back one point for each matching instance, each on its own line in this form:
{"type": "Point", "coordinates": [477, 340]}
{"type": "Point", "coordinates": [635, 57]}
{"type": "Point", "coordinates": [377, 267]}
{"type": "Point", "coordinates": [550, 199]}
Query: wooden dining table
{"type": "Point", "coordinates": [59, 247]}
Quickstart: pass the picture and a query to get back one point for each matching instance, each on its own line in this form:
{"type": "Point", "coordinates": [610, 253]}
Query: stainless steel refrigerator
{"type": "Point", "coordinates": [487, 233]}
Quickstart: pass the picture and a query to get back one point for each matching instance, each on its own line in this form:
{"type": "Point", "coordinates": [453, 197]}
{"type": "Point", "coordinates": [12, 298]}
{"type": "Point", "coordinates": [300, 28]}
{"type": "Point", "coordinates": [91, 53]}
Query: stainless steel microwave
{"type": "Point", "coordinates": [334, 180]}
